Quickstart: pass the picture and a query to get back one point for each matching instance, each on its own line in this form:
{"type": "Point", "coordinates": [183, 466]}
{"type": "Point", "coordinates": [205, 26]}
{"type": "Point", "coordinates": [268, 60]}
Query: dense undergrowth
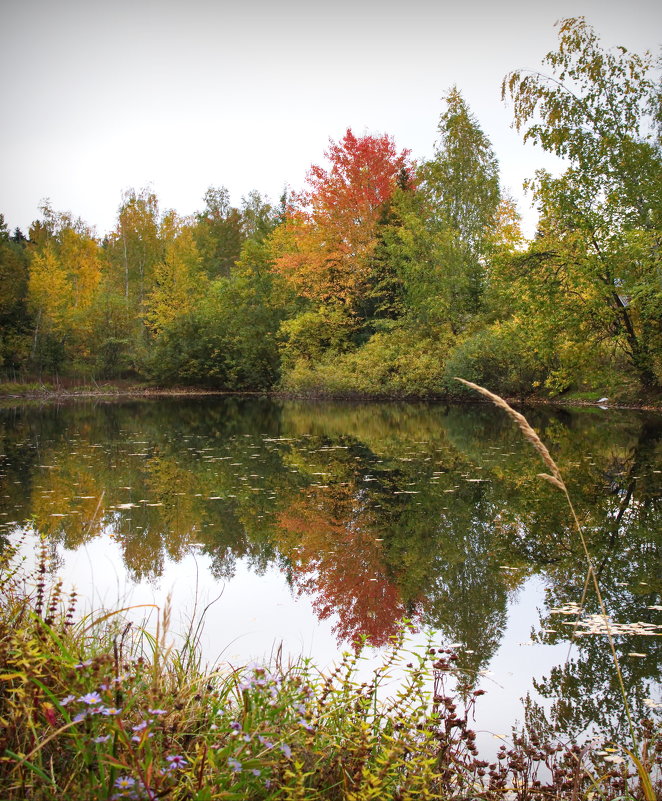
{"type": "Point", "coordinates": [94, 708]}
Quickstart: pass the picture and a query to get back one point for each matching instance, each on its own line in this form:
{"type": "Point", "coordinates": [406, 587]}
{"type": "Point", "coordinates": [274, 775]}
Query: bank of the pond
{"type": "Point", "coordinates": [13, 391]}
{"type": "Point", "coordinates": [95, 708]}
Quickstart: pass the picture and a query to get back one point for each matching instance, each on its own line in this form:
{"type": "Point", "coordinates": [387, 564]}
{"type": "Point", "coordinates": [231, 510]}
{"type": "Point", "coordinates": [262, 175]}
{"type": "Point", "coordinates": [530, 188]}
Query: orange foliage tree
{"type": "Point", "coordinates": [326, 245]}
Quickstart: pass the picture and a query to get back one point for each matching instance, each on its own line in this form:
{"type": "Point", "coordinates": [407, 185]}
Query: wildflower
{"type": "Point", "coordinates": [285, 748]}
{"type": "Point", "coordinates": [235, 764]}
{"type": "Point", "coordinates": [124, 782]}
{"type": "Point", "coordinates": [245, 685]}
{"type": "Point", "coordinates": [67, 700]}
{"type": "Point", "coordinates": [84, 664]}
{"type": "Point", "coordinates": [109, 710]}
{"type": "Point", "coordinates": [246, 737]}
{"type": "Point", "coordinates": [80, 716]}
{"type": "Point", "coordinates": [308, 726]}
{"type": "Point", "coordinates": [266, 743]}
{"type": "Point", "coordinates": [49, 713]}
{"type": "Point", "coordinates": [256, 771]}
{"type": "Point", "coordinates": [103, 738]}
{"type": "Point", "coordinates": [140, 726]}
{"type": "Point", "coordinates": [158, 711]}
{"type": "Point", "coordinates": [235, 726]}
{"type": "Point", "coordinates": [177, 761]}
{"type": "Point", "coordinates": [90, 698]}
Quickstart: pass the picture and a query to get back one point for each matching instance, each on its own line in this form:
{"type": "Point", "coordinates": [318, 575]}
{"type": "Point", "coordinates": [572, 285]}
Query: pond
{"type": "Point", "coordinates": [306, 526]}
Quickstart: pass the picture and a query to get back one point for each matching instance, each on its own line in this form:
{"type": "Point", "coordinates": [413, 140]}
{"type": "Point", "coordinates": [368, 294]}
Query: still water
{"type": "Point", "coordinates": [310, 525]}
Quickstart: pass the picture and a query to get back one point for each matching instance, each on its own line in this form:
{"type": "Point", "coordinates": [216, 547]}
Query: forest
{"type": "Point", "coordinates": [384, 276]}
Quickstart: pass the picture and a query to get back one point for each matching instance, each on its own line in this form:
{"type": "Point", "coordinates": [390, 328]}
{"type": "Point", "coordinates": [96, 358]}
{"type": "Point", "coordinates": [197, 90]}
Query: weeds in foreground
{"type": "Point", "coordinates": [95, 708]}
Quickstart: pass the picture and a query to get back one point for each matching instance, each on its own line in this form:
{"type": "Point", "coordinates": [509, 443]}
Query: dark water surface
{"type": "Point", "coordinates": [324, 522]}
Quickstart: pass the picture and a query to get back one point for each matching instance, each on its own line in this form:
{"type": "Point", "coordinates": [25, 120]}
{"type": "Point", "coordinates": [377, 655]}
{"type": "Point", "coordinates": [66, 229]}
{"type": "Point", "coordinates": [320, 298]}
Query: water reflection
{"type": "Point", "coordinates": [375, 512]}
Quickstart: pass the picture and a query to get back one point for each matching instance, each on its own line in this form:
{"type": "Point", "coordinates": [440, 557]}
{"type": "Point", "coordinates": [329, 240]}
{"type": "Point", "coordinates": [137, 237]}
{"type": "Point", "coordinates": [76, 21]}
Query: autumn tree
{"type": "Point", "coordinates": [596, 260]}
{"type": "Point", "coordinates": [179, 278]}
{"type": "Point", "coordinates": [134, 247]}
{"type": "Point", "coordinates": [65, 272]}
{"type": "Point", "coordinates": [326, 246]}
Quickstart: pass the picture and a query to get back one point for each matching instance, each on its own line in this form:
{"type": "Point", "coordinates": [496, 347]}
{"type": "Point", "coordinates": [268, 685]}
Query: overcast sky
{"type": "Point", "coordinates": [183, 95]}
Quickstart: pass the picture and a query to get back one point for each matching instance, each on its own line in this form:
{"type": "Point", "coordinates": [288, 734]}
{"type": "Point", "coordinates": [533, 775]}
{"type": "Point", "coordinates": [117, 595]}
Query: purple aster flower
{"type": "Point", "coordinates": [140, 726]}
{"type": "Point", "coordinates": [235, 764]}
{"type": "Point", "coordinates": [103, 738]}
{"type": "Point", "coordinates": [80, 716]}
{"type": "Point", "coordinates": [256, 771]}
{"type": "Point", "coordinates": [124, 782]}
{"type": "Point", "coordinates": [67, 700]}
{"type": "Point", "coordinates": [266, 743]}
{"type": "Point", "coordinates": [235, 726]}
{"type": "Point", "coordinates": [84, 664]}
{"type": "Point", "coordinates": [177, 761]}
{"type": "Point", "coordinates": [158, 711]}
{"type": "Point", "coordinates": [109, 710]}
{"type": "Point", "coordinates": [285, 748]}
{"type": "Point", "coordinates": [90, 698]}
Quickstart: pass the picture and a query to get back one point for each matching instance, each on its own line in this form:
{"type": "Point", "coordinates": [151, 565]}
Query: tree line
{"type": "Point", "coordinates": [382, 276]}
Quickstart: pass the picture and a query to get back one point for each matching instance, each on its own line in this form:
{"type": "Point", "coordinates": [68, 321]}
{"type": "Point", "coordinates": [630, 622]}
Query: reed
{"type": "Point", "coordinates": [557, 481]}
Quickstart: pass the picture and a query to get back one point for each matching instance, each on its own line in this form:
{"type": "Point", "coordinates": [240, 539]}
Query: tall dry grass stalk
{"type": "Point", "coordinates": [557, 480]}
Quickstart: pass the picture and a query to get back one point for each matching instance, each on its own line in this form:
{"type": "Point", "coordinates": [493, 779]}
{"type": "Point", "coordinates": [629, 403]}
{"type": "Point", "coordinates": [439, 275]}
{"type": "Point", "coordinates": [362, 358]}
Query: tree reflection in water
{"type": "Point", "coordinates": [378, 512]}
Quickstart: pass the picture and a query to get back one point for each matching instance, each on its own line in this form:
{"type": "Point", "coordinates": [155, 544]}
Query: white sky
{"type": "Point", "coordinates": [185, 94]}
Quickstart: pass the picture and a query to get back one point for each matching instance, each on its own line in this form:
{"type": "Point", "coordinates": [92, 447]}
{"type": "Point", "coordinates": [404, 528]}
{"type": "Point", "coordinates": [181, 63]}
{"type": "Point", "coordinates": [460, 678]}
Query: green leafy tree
{"type": "Point", "coordinates": [219, 232]}
{"type": "Point", "coordinates": [228, 338]}
{"type": "Point", "coordinates": [15, 321]}
{"type": "Point", "coordinates": [462, 187]}
{"type": "Point", "coordinates": [444, 232]}
{"type": "Point", "coordinates": [596, 260]}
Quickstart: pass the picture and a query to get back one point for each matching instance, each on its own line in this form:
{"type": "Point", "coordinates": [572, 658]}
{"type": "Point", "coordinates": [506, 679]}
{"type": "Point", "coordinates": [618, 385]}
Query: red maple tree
{"type": "Point", "coordinates": [325, 247]}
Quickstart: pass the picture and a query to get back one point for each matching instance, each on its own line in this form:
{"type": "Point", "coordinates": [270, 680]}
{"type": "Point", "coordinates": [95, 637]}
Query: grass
{"type": "Point", "coordinates": [94, 707]}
